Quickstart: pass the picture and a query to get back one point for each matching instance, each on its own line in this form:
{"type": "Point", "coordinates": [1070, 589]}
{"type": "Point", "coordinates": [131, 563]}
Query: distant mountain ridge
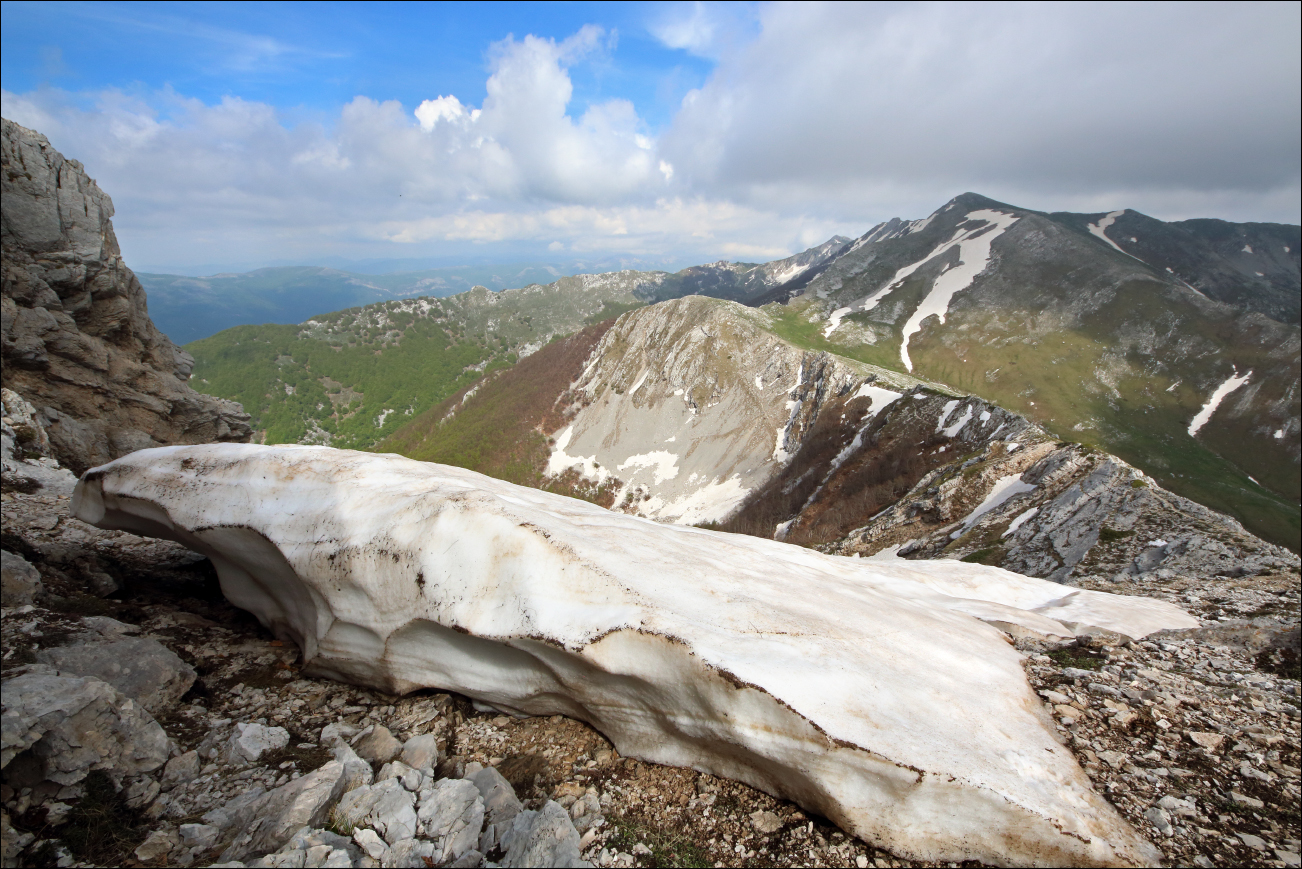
{"type": "Point", "coordinates": [1178, 363]}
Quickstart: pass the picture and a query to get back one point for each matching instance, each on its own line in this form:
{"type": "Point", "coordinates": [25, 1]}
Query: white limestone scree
{"type": "Point", "coordinates": [862, 689]}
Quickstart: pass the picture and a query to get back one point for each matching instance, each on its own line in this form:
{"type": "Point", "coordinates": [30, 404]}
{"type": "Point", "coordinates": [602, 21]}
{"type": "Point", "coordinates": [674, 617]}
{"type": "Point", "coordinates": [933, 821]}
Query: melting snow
{"type": "Point", "coordinates": [1158, 542]}
{"type": "Point", "coordinates": [944, 414]}
{"type": "Point", "coordinates": [1098, 229]}
{"type": "Point", "coordinates": [1004, 489]}
{"type": "Point", "coordinates": [985, 416]}
{"type": "Point", "coordinates": [664, 462]}
{"type": "Point", "coordinates": [835, 321]}
{"type": "Point", "coordinates": [957, 427]}
{"type": "Point", "coordinates": [759, 382]}
{"type": "Point", "coordinates": [1247, 248]}
{"type": "Point", "coordinates": [1172, 387]}
{"type": "Point", "coordinates": [1021, 517]}
{"type": "Point", "coordinates": [974, 253]}
{"type": "Point", "coordinates": [1231, 384]}
{"type": "Point", "coordinates": [559, 462]}
{"type": "Point", "coordinates": [880, 397]}
{"type": "Point", "coordinates": [1279, 434]}
{"type": "Point", "coordinates": [640, 380]}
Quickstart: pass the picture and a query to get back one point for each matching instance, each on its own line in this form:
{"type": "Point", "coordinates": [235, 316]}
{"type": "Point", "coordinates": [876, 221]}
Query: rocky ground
{"type": "Point", "coordinates": [1194, 736]}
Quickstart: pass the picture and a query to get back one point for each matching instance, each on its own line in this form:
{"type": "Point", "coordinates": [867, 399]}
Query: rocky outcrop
{"type": "Point", "coordinates": [77, 339]}
{"type": "Point", "coordinates": [660, 636]}
{"type": "Point", "coordinates": [1064, 512]}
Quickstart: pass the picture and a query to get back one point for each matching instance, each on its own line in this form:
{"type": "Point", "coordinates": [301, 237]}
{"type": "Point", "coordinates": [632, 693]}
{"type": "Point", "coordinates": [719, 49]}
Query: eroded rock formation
{"type": "Point", "coordinates": [77, 339]}
{"type": "Point", "coordinates": [862, 689]}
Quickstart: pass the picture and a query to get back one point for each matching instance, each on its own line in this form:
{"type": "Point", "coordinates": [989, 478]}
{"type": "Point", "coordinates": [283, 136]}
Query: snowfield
{"type": "Point", "coordinates": [870, 690]}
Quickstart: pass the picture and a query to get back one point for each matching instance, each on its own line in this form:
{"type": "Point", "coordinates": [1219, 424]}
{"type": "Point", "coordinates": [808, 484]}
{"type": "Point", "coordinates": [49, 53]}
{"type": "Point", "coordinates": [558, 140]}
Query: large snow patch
{"type": "Point", "coordinates": [859, 688]}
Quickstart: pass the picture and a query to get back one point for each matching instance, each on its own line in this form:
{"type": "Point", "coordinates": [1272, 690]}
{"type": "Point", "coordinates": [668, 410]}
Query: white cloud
{"type": "Point", "coordinates": [833, 117]}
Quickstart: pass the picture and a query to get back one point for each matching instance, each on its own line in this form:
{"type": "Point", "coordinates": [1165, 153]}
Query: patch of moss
{"type": "Point", "coordinates": [989, 555]}
{"type": "Point", "coordinates": [1111, 535]}
{"type": "Point", "coordinates": [1081, 659]}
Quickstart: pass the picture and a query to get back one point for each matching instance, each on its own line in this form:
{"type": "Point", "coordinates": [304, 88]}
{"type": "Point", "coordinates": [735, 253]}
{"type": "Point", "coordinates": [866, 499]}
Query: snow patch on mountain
{"type": "Point", "coordinates": [1005, 489]}
{"type": "Point", "coordinates": [974, 254]}
{"type": "Point", "coordinates": [1231, 383]}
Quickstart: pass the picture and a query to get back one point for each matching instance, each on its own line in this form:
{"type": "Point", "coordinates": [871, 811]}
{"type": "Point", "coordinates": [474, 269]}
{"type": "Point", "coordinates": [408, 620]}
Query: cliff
{"type": "Point", "coordinates": [78, 343]}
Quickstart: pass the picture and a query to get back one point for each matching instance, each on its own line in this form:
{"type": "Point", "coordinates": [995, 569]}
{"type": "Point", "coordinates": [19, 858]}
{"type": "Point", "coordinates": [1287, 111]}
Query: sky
{"type": "Point", "coordinates": [238, 135]}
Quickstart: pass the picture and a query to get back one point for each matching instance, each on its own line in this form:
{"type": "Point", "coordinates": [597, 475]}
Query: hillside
{"type": "Point", "coordinates": [1048, 316]}
{"type": "Point", "coordinates": [190, 308]}
{"type": "Point", "coordinates": [352, 377]}
{"type": "Point", "coordinates": [697, 411]}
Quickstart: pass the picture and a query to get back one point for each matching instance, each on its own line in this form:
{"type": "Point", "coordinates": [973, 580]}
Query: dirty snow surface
{"type": "Point", "coordinates": [861, 689]}
{"type": "Point", "coordinates": [1231, 383]}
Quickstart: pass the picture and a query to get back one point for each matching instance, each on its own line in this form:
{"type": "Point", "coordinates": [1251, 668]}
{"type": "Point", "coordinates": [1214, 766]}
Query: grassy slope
{"type": "Point", "coordinates": [499, 431]}
{"type": "Point", "coordinates": [254, 364]}
{"type": "Point", "coordinates": [345, 370]}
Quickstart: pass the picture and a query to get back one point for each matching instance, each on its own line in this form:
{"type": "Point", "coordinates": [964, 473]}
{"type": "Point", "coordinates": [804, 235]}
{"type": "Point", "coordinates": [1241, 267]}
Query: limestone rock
{"type": "Point", "coordinates": [452, 816]}
{"type": "Point", "coordinates": [544, 838]}
{"type": "Point", "coordinates": [248, 742]}
{"type": "Point", "coordinates": [885, 706]}
{"type": "Point", "coordinates": [21, 582]}
{"type": "Point", "coordinates": [377, 745]}
{"type": "Point", "coordinates": [421, 751]}
{"type": "Point", "coordinates": [143, 669]}
{"type": "Point", "coordinates": [77, 341]}
{"type": "Point", "coordinates": [67, 726]}
{"type": "Point", "coordinates": [264, 824]}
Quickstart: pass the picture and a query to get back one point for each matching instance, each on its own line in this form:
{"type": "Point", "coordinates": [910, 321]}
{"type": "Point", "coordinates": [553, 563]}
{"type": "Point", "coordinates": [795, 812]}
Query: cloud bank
{"type": "Point", "coordinates": [827, 119]}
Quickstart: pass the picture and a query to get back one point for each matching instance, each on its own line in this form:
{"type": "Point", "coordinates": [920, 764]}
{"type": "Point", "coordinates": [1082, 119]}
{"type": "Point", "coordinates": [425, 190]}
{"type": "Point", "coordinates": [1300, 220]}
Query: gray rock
{"type": "Point", "coordinates": [268, 822]}
{"type": "Point", "coordinates": [20, 583]}
{"type": "Point", "coordinates": [143, 669]}
{"type": "Point", "coordinates": [370, 842]}
{"type": "Point", "coordinates": [542, 839]}
{"type": "Point", "coordinates": [500, 806]}
{"type": "Point", "coordinates": [67, 726]}
{"type": "Point", "coordinates": [157, 846]}
{"type": "Point", "coordinates": [249, 742]}
{"type": "Point", "coordinates": [357, 772]}
{"type": "Point", "coordinates": [387, 806]}
{"type": "Point", "coordinates": [180, 769]}
{"type": "Point", "coordinates": [376, 744]}
{"type": "Point", "coordinates": [452, 816]}
{"type": "Point", "coordinates": [224, 816]}
{"type": "Point", "coordinates": [77, 340]}
{"type": "Point", "coordinates": [421, 752]}
{"type": "Point", "coordinates": [200, 836]}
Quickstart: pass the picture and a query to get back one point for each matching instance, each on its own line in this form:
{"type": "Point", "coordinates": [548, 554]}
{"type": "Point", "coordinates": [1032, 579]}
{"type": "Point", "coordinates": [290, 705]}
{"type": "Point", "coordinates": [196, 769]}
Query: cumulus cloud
{"type": "Point", "coordinates": [830, 118]}
{"type": "Point", "coordinates": [848, 103]}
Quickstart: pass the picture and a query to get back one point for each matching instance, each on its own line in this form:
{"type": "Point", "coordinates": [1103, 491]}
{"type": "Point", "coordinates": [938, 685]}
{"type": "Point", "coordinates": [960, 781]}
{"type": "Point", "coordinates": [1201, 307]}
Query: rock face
{"type": "Point", "coordinates": [687, 407]}
{"type": "Point", "coordinates": [60, 728]}
{"type": "Point", "coordinates": [77, 340]}
{"type": "Point", "coordinates": [884, 705]}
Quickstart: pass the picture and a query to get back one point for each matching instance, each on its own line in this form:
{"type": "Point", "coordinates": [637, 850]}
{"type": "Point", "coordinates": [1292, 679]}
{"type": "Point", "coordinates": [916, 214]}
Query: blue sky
{"type": "Point", "coordinates": [308, 59]}
{"type": "Point", "coordinates": [232, 135]}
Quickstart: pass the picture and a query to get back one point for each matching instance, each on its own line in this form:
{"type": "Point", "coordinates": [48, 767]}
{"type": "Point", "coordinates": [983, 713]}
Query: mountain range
{"type": "Point", "coordinates": [1170, 345]}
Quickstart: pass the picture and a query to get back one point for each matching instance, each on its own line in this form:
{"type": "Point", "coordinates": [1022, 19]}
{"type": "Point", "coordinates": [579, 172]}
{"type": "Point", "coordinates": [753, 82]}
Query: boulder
{"type": "Point", "coordinates": [248, 742]}
{"type": "Point", "coordinates": [421, 752]}
{"type": "Point", "coordinates": [869, 691]}
{"type": "Point", "coordinates": [386, 806]}
{"type": "Point", "coordinates": [376, 744]}
{"type": "Point", "coordinates": [542, 839]}
{"type": "Point", "coordinates": [452, 816]}
{"type": "Point", "coordinates": [19, 581]}
{"type": "Point", "coordinates": [266, 823]}
{"type": "Point", "coordinates": [143, 669]}
{"type": "Point", "coordinates": [62, 727]}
